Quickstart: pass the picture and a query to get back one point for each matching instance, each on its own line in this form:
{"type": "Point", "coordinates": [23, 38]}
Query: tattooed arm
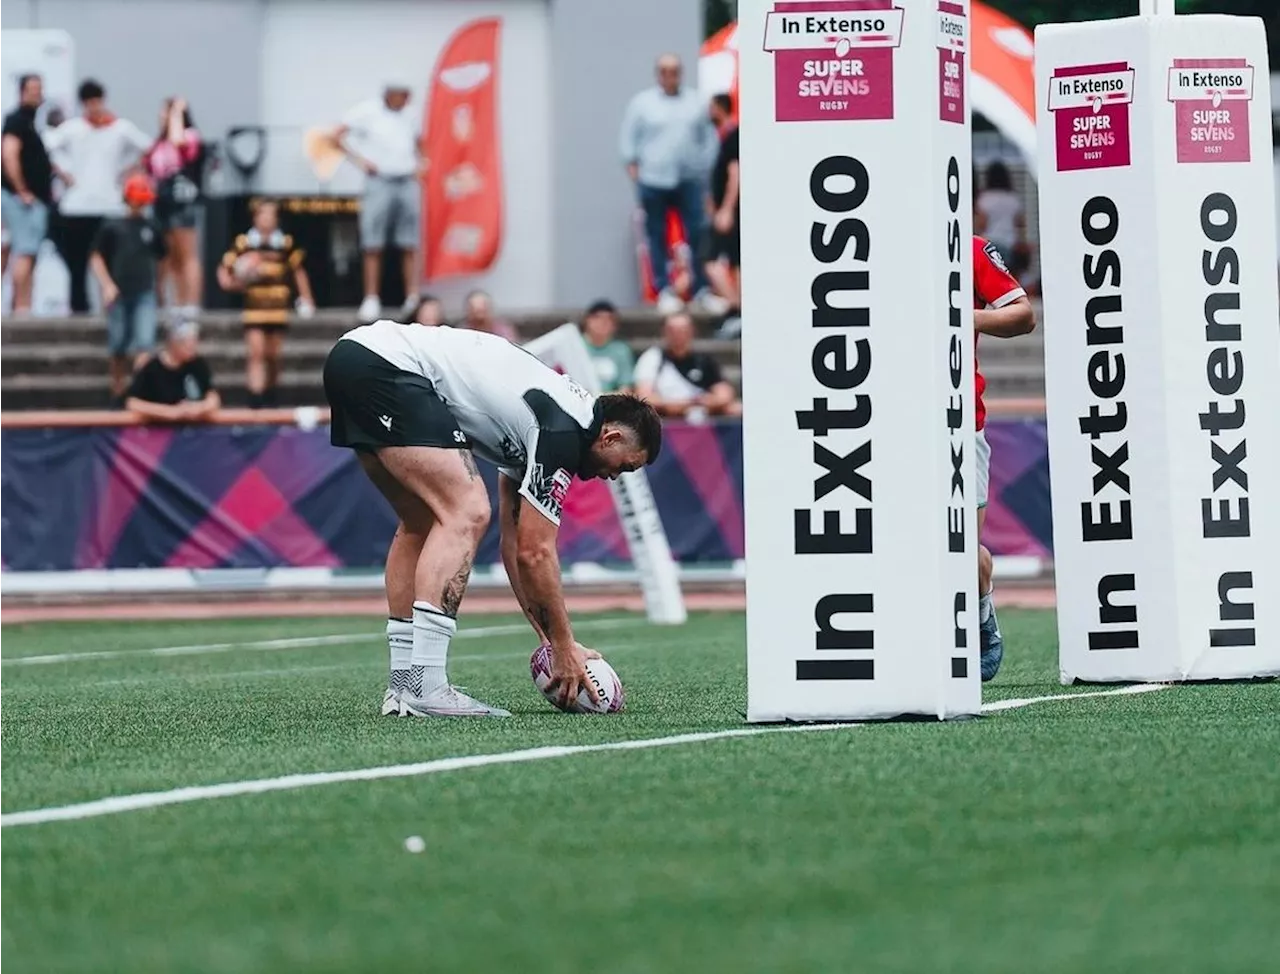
{"type": "Point", "coordinates": [538, 566]}
{"type": "Point", "coordinates": [509, 504]}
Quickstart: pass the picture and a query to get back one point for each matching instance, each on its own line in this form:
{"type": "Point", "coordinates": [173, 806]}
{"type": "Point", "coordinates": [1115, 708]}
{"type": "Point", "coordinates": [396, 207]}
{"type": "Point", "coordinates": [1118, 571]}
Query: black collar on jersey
{"type": "Point", "coordinates": [552, 419]}
{"type": "Point", "coordinates": [590, 434]}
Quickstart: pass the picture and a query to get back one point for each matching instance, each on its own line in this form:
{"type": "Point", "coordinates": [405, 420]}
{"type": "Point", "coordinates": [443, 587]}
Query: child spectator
{"type": "Point", "coordinates": [123, 259]}
{"type": "Point", "coordinates": [265, 264]}
{"type": "Point", "coordinates": [175, 386]}
{"type": "Point", "coordinates": [612, 359]}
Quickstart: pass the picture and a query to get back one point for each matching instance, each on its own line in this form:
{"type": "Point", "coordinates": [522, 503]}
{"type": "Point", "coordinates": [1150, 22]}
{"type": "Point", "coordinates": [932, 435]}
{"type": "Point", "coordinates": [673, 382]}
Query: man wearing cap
{"type": "Point", "coordinates": [123, 259]}
{"type": "Point", "coordinates": [175, 386]}
{"type": "Point", "coordinates": [379, 136]}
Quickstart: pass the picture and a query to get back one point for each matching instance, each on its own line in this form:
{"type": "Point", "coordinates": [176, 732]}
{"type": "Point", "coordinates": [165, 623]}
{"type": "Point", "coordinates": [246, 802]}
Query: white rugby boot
{"type": "Point", "coordinates": [391, 703]}
{"type": "Point", "coordinates": [447, 701]}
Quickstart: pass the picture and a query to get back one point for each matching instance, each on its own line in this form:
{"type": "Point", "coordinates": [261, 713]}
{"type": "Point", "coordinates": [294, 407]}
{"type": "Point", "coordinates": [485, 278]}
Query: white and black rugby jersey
{"type": "Point", "coordinates": [533, 423]}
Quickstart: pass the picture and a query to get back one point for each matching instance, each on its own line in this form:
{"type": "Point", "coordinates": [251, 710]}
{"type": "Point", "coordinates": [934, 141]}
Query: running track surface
{"type": "Point", "coordinates": [479, 604]}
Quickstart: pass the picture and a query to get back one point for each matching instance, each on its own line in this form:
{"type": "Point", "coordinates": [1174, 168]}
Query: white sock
{"type": "Point", "coordinates": [432, 630]}
{"type": "Point", "coordinates": [400, 647]}
{"type": "Point", "coordinates": [985, 608]}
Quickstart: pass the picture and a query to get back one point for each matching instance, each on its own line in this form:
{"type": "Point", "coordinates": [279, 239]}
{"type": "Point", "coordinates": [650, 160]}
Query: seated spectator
{"type": "Point", "coordinates": [479, 317]}
{"type": "Point", "coordinates": [429, 311]}
{"type": "Point", "coordinates": [266, 265]}
{"type": "Point", "coordinates": [612, 359]}
{"type": "Point", "coordinates": [175, 386]}
{"type": "Point", "coordinates": [123, 259]}
{"type": "Point", "coordinates": [680, 381]}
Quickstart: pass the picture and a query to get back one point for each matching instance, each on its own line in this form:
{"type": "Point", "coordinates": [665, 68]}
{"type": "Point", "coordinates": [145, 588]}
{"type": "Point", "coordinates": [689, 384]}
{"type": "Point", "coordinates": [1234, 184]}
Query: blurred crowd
{"type": "Point", "coordinates": [123, 210]}
{"type": "Point", "coordinates": [682, 156]}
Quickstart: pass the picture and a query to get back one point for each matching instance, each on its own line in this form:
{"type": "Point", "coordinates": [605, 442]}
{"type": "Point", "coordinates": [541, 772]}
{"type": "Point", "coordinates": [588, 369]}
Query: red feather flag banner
{"type": "Point", "coordinates": [462, 188]}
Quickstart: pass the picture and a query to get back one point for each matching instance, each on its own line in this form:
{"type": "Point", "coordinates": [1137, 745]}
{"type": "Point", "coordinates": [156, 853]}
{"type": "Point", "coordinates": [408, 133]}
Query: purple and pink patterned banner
{"type": "Point", "coordinates": [271, 497]}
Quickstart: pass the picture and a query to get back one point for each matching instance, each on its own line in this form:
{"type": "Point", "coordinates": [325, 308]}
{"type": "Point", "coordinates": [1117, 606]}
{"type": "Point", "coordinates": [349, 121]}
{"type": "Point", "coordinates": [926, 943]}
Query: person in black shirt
{"type": "Point", "coordinates": [723, 247]}
{"type": "Point", "coordinates": [125, 252]}
{"type": "Point", "coordinates": [175, 386]}
{"type": "Point", "coordinates": [27, 188]}
{"type": "Point", "coordinates": [679, 381]}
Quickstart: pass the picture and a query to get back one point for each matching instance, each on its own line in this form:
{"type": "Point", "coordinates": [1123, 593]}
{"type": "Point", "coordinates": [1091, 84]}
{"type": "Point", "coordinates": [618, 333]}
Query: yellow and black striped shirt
{"type": "Point", "coordinates": [269, 297]}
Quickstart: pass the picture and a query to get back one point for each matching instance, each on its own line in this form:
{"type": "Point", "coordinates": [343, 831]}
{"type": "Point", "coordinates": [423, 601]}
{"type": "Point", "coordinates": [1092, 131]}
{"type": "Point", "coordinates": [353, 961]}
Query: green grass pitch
{"type": "Point", "coordinates": [1126, 833]}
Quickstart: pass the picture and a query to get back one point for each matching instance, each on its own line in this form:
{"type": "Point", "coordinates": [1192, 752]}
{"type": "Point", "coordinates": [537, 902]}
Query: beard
{"type": "Point", "coordinates": [590, 467]}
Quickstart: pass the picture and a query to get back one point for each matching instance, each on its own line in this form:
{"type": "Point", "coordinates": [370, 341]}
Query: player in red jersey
{"type": "Point", "coordinates": [1001, 309]}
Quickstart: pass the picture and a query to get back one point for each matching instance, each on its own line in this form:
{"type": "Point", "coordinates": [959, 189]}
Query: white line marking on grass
{"type": "Point", "coordinates": [179, 796]}
{"type": "Point", "coordinates": [1016, 702]}
{"type": "Point", "coordinates": [294, 642]}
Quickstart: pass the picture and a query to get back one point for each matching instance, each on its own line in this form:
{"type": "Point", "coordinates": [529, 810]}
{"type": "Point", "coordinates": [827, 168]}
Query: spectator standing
{"type": "Point", "coordinates": [380, 137]}
{"type": "Point", "coordinates": [94, 150]}
{"type": "Point", "coordinates": [723, 253]}
{"type": "Point", "coordinates": [478, 316]}
{"type": "Point", "coordinates": [999, 216]}
{"type": "Point", "coordinates": [125, 251]}
{"type": "Point", "coordinates": [27, 191]}
{"type": "Point", "coordinates": [176, 385]}
{"type": "Point", "coordinates": [613, 361]}
{"type": "Point", "coordinates": [667, 143]}
{"type": "Point", "coordinates": [681, 382]}
{"type": "Point", "coordinates": [265, 264]}
{"type": "Point", "coordinates": [175, 162]}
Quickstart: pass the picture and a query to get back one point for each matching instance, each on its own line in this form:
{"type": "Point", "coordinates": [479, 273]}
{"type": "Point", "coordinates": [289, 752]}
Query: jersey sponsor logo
{"type": "Point", "coordinates": [560, 481]}
{"type": "Point", "coordinates": [996, 258]}
{"type": "Point", "coordinates": [459, 436]}
{"type": "Point", "coordinates": [511, 451]}
{"type": "Point", "coordinates": [551, 489]}
{"type": "Point", "coordinates": [385, 421]}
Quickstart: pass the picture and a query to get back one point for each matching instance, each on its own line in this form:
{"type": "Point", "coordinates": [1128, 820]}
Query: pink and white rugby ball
{"type": "Point", "coordinates": [612, 696]}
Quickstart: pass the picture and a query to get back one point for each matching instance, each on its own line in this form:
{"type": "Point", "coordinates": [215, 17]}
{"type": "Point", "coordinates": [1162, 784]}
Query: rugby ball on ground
{"type": "Point", "coordinates": [612, 697]}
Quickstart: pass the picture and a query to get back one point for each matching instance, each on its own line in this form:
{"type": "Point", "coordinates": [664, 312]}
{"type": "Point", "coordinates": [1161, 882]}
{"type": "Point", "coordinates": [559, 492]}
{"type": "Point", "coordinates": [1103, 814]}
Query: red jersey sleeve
{"type": "Point", "coordinates": [993, 285]}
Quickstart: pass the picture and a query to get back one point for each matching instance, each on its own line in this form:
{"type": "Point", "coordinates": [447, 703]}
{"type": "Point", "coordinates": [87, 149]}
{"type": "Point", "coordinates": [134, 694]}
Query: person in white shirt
{"type": "Point", "coordinates": [999, 216]}
{"type": "Point", "coordinates": [380, 137]}
{"type": "Point", "coordinates": [94, 151]}
{"type": "Point", "coordinates": [668, 144]}
{"type": "Point", "coordinates": [415, 403]}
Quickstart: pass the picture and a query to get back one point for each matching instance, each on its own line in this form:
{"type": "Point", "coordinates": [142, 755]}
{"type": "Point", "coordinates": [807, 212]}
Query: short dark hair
{"type": "Point", "coordinates": [24, 80]}
{"type": "Point", "coordinates": [998, 176]}
{"type": "Point", "coordinates": [725, 101]}
{"type": "Point", "coordinates": [601, 306]}
{"type": "Point", "coordinates": [636, 415]}
{"type": "Point", "coordinates": [422, 301]}
{"type": "Point", "coordinates": [90, 89]}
